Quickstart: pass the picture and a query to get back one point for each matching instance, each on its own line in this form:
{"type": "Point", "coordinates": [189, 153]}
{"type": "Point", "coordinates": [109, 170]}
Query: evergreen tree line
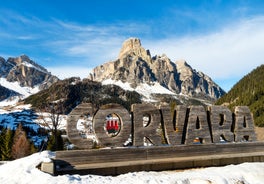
{"type": "Point", "coordinates": [249, 91]}
{"type": "Point", "coordinates": [16, 144]}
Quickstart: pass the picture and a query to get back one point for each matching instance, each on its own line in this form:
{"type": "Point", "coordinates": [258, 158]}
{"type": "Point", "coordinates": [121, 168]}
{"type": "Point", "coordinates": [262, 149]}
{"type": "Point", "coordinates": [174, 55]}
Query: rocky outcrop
{"type": "Point", "coordinates": [26, 73]}
{"type": "Point", "coordinates": [166, 73]}
{"type": "Point", "coordinates": [6, 93]}
{"type": "Point", "coordinates": [132, 47]}
{"type": "Point", "coordinates": [5, 67]}
{"type": "Point", "coordinates": [195, 83]}
{"type": "Point", "coordinates": [131, 66]}
{"type": "Point", "coordinates": [135, 65]}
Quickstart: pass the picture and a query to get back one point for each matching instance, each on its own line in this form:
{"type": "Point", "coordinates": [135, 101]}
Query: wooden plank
{"type": "Point", "coordinates": [159, 157]}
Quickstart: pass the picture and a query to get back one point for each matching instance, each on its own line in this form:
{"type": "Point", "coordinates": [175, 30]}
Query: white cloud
{"type": "Point", "coordinates": [231, 52]}
{"type": "Point", "coordinates": [25, 37]}
{"type": "Point", "coordinates": [225, 55]}
{"type": "Point", "coordinates": [102, 49]}
{"type": "Point", "coordinates": [91, 44]}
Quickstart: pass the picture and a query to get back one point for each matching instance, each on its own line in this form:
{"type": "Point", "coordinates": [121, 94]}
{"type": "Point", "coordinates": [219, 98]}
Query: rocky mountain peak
{"type": "Point", "coordinates": [28, 73]}
{"type": "Point", "coordinates": [22, 58]}
{"type": "Point", "coordinates": [2, 60]}
{"type": "Point", "coordinates": [18, 60]}
{"type": "Point", "coordinates": [184, 68]}
{"type": "Point", "coordinates": [135, 66]}
{"type": "Point", "coordinates": [132, 47]}
{"type": "Point", "coordinates": [25, 73]}
{"type": "Point", "coordinates": [182, 63]}
{"type": "Point", "coordinates": [5, 67]}
{"type": "Point", "coordinates": [25, 61]}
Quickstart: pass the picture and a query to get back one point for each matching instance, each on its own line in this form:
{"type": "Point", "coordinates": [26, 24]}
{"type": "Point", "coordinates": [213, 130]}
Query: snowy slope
{"type": "Point", "coordinates": [24, 91]}
{"type": "Point", "coordinates": [9, 101]}
{"type": "Point", "coordinates": [144, 89]}
{"type": "Point", "coordinates": [26, 172]}
{"type": "Point", "coordinates": [23, 77]}
{"type": "Point", "coordinates": [23, 114]}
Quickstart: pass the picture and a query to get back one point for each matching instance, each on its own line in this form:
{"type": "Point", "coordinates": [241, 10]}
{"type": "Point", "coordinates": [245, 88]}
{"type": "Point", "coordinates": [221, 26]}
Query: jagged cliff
{"type": "Point", "coordinates": [21, 74]}
{"type": "Point", "coordinates": [136, 66]}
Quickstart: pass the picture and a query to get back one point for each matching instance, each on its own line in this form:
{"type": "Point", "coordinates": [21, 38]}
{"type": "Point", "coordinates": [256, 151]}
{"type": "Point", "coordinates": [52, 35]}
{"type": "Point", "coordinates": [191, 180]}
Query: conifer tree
{"type": "Point", "coordinates": [248, 91]}
{"type": "Point", "coordinates": [1, 142]}
{"type": "Point", "coordinates": [21, 146]}
{"type": "Point", "coordinates": [55, 142]}
{"type": "Point", "coordinates": [6, 145]}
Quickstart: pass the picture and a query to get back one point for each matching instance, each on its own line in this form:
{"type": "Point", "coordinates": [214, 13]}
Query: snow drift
{"type": "Point", "coordinates": [25, 171]}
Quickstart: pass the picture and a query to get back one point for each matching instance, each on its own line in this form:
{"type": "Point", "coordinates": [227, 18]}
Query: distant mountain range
{"type": "Point", "coordinates": [248, 91]}
{"type": "Point", "coordinates": [20, 77]}
{"type": "Point", "coordinates": [155, 79]}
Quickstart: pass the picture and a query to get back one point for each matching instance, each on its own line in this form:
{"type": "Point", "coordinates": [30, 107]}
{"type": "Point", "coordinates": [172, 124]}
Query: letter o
{"type": "Point", "coordinates": [99, 125]}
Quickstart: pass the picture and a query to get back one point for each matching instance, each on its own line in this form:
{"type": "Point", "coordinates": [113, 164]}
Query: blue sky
{"type": "Point", "coordinates": [222, 38]}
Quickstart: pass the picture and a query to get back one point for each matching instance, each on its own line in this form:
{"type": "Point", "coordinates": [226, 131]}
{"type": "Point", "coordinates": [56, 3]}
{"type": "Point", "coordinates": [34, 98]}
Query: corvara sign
{"type": "Point", "coordinates": [182, 125]}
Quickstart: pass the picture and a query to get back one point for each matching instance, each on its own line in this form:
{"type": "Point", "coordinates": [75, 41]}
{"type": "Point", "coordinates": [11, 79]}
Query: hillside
{"type": "Point", "coordinates": [248, 91]}
{"type": "Point", "coordinates": [73, 91]}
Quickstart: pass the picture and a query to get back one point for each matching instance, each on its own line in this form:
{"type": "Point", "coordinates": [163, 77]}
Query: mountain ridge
{"type": "Point", "coordinates": [20, 77]}
{"type": "Point", "coordinates": [155, 78]}
{"type": "Point", "coordinates": [135, 66]}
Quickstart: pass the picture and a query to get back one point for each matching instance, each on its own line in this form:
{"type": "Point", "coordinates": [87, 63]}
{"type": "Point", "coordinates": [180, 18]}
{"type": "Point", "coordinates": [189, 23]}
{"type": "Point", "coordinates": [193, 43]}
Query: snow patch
{"type": "Point", "coordinates": [45, 120]}
{"type": "Point", "coordinates": [24, 91]}
{"type": "Point", "coordinates": [124, 85]}
{"type": "Point", "coordinates": [144, 89]}
{"type": "Point", "coordinates": [27, 64]}
{"type": "Point", "coordinates": [11, 101]}
{"type": "Point", "coordinates": [11, 117]}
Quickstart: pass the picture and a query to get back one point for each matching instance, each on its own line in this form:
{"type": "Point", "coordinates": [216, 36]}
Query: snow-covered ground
{"type": "Point", "coordinates": [24, 91]}
{"type": "Point", "coordinates": [144, 89]}
{"type": "Point", "coordinates": [45, 118]}
{"type": "Point", "coordinates": [24, 171]}
{"type": "Point", "coordinates": [18, 114]}
{"type": "Point", "coordinates": [12, 116]}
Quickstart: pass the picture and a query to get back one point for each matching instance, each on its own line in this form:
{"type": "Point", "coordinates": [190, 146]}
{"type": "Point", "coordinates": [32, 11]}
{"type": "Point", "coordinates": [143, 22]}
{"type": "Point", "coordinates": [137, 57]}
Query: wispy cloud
{"type": "Point", "coordinates": [225, 54]}
{"type": "Point", "coordinates": [229, 53]}
{"type": "Point", "coordinates": [26, 37]}
{"type": "Point", "coordinates": [62, 40]}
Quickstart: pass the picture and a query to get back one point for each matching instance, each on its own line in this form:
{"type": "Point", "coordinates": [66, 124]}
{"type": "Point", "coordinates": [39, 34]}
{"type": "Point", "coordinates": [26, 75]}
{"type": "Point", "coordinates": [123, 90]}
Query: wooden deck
{"type": "Point", "coordinates": [122, 160]}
